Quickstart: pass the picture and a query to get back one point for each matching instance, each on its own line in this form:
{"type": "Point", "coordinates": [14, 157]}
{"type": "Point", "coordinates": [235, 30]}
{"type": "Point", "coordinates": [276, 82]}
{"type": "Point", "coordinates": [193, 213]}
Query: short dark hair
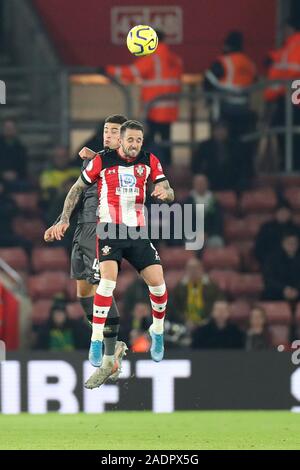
{"type": "Point", "coordinates": [116, 119]}
{"type": "Point", "coordinates": [131, 125]}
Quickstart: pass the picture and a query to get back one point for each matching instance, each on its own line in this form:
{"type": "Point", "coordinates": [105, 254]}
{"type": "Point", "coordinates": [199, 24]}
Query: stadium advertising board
{"type": "Point", "coordinates": [42, 382]}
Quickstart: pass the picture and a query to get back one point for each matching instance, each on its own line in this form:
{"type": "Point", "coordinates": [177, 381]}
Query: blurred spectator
{"type": "Point", "coordinates": [226, 162]}
{"type": "Point", "coordinates": [213, 218]}
{"type": "Point", "coordinates": [193, 297]}
{"type": "Point", "coordinates": [13, 158]}
{"type": "Point", "coordinates": [8, 210]}
{"type": "Point", "coordinates": [233, 71]}
{"type": "Point", "coordinates": [159, 73]}
{"type": "Point", "coordinates": [62, 334]}
{"type": "Point", "coordinates": [219, 332]}
{"type": "Point", "coordinates": [140, 323]}
{"type": "Point", "coordinates": [257, 336]}
{"type": "Point", "coordinates": [137, 292]}
{"type": "Point", "coordinates": [58, 173]}
{"type": "Point", "coordinates": [282, 271]}
{"type": "Point", "coordinates": [268, 239]}
{"type": "Point", "coordinates": [213, 158]}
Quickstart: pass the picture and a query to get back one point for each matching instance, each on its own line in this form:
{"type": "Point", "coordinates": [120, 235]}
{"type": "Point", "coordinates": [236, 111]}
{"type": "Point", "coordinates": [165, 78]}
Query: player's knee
{"type": "Point", "coordinates": [159, 290]}
{"type": "Point", "coordinates": [84, 289]}
{"type": "Point", "coordinates": [106, 287]}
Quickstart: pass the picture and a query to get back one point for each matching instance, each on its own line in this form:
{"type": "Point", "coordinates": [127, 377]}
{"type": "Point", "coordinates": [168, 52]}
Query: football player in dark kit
{"type": "Point", "coordinates": [84, 262]}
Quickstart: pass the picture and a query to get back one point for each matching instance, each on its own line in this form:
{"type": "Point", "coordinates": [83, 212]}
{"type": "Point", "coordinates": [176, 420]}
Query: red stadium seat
{"type": "Point", "coordinates": [47, 284]}
{"type": "Point", "coordinates": [290, 181]}
{"type": "Point", "coordinates": [75, 311]}
{"type": "Point", "coordinates": [249, 262]}
{"type": "Point", "coordinates": [250, 285]}
{"type": "Point", "coordinates": [227, 200]}
{"type": "Point", "coordinates": [239, 312]}
{"type": "Point", "coordinates": [172, 278]}
{"type": "Point", "coordinates": [16, 258]}
{"type": "Point", "coordinates": [27, 202]}
{"type": "Point", "coordinates": [245, 228]}
{"type": "Point", "coordinates": [223, 278]}
{"type": "Point", "coordinates": [176, 257]}
{"type": "Point", "coordinates": [41, 311]}
{"type": "Point", "coordinates": [278, 313]}
{"type": "Point", "coordinates": [29, 228]}
{"type": "Point", "coordinates": [221, 258]}
{"type": "Point", "coordinates": [293, 197]}
{"type": "Point", "coordinates": [260, 200]}
{"type": "Point", "coordinates": [263, 181]}
{"type": "Point", "coordinates": [71, 289]}
{"type": "Point", "coordinates": [279, 334]}
{"type": "Point", "coordinates": [50, 259]}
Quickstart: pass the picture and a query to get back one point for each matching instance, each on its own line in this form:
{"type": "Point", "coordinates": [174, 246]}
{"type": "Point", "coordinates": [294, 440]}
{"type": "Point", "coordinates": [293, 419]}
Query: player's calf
{"type": "Point", "coordinates": [158, 299]}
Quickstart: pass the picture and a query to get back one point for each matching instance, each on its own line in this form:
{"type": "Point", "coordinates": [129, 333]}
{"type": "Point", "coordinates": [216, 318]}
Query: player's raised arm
{"type": "Point", "coordinates": [71, 200]}
{"type": "Point", "coordinates": [163, 191]}
{"type": "Point", "coordinates": [88, 176]}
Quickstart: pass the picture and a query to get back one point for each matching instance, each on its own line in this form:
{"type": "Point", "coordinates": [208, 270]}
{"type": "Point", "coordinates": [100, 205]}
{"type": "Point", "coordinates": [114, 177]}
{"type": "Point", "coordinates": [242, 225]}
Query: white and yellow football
{"type": "Point", "coordinates": [142, 40]}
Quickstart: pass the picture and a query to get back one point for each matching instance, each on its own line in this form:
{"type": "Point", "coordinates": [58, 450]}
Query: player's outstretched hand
{"type": "Point", "coordinates": [160, 193]}
{"type": "Point", "coordinates": [48, 235]}
{"type": "Point", "coordinates": [59, 230]}
{"type": "Point", "coordinates": [87, 154]}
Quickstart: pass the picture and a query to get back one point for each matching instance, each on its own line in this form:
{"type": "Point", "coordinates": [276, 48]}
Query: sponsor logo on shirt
{"type": "Point", "coordinates": [127, 185]}
{"type": "Point", "coordinates": [127, 191]}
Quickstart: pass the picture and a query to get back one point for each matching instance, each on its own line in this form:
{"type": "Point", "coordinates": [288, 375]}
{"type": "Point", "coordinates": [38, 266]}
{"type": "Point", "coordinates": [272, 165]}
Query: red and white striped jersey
{"type": "Point", "coordinates": [122, 185]}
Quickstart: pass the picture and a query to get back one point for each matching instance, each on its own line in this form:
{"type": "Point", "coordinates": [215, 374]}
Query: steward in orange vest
{"type": "Point", "coordinates": [158, 74]}
{"type": "Point", "coordinates": [285, 62]}
{"type": "Point", "coordinates": [232, 71]}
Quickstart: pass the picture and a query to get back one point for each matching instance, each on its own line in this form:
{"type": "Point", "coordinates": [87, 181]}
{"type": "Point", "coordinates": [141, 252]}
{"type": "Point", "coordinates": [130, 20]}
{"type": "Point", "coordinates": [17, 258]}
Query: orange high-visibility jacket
{"type": "Point", "coordinates": [286, 66]}
{"type": "Point", "coordinates": [240, 70]}
{"type": "Point", "coordinates": [159, 73]}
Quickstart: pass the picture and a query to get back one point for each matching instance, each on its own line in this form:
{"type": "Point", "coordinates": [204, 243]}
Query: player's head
{"type": "Point", "coordinates": [131, 138]}
{"type": "Point", "coordinates": [111, 130]}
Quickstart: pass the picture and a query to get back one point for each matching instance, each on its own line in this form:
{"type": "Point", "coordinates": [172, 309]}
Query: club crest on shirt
{"type": "Point", "coordinates": [140, 170]}
{"type": "Point", "coordinates": [106, 250]}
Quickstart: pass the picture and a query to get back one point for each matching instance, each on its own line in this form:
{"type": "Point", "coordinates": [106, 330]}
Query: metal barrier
{"type": "Point", "coordinates": [50, 105]}
{"type": "Point", "coordinates": [216, 98]}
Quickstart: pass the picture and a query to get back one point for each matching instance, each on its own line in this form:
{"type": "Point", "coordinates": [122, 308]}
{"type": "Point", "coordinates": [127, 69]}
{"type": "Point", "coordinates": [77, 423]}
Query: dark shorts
{"type": "Point", "coordinates": [139, 253]}
{"type": "Point", "coordinates": [84, 262]}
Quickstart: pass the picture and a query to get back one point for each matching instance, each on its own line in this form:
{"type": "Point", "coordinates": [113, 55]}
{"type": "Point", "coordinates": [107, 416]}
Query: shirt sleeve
{"type": "Point", "coordinates": [157, 173]}
{"type": "Point", "coordinates": [92, 172]}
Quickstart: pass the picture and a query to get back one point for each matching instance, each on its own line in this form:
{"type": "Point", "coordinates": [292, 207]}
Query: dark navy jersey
{"type": "Point", "coordinates": [88, 204]}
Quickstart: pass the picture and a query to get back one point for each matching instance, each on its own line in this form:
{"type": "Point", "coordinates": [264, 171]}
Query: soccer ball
{"type": "Point", "coordinates": [142, 40]}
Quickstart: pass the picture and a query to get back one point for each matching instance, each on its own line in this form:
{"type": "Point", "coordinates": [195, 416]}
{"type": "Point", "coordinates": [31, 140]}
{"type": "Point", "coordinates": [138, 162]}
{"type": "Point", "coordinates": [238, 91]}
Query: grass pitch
{"type": "Point", "coordinates": [144, 430]}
